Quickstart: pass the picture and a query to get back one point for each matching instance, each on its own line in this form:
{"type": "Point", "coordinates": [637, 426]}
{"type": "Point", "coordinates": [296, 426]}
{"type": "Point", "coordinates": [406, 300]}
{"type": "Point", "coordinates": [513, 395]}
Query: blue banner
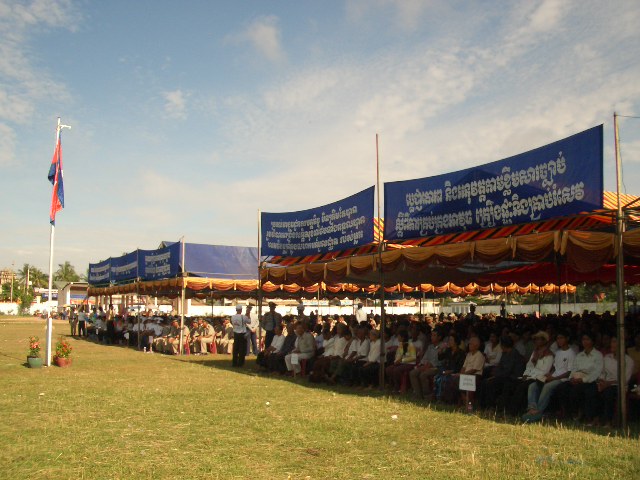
{"type": "Point", "coordinates": [100, 273]}
{"type": "Point", "coordinates": [560, 179]}
{"type": "Point", "coordinates": [124, 268]}
{"type": "Point", "coordinates": [340, 225]}
{"type": "Point", "coordinates": [159, 264]}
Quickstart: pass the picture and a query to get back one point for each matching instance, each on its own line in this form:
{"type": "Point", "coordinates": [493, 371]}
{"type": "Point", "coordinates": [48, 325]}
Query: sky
{"type": "Point", "coordinates": [188, 117]}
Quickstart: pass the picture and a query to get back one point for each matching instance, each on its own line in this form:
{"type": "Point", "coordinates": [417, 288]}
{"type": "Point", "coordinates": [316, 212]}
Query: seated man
{"type": "Point", "coordinates": [160, 343]}
{"type": "Point", "coordinates": [540, 392]}
{"type": "Point", "coordinates": [422, 376]}
{"type": "Point", "coordinates": [492, 353]}
{"type": "Point", "coordinates": [608, 381]}
{"type": "Point", "coordinates": [304, 349]}
{"type": "Point", "coordinates": [276, 359]}
{"type": "Point", "coordinates": [173, 340]}
{"type": "Point", "coordinates": [226, 340]}
{"type": "Point", "coordinates": [206, 337]}
{"type": "Point", "coordinates": [276, 344]}
{"type": "Point", "coordinates": [514, 394]}
{"type": "Point", "coordinates": [509, 368]}
{"type": "Point", "coordinates": [322, 363]}
{"type": "Point", "coordinates": [580, 393]}
{"type": "Point", "coordinates": [358, 352]}
{"type": "Point", "coordinates": [194, 343]}
{"type": "Point", "coordinates": [368, 372]}
{"type": "Point", "coordinates": [340, 353]}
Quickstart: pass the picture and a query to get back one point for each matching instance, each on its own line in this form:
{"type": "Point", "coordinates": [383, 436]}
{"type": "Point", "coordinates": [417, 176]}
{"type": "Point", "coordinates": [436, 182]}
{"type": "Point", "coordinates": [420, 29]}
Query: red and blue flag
{"type": "Point", "coordinates": [55, 177]}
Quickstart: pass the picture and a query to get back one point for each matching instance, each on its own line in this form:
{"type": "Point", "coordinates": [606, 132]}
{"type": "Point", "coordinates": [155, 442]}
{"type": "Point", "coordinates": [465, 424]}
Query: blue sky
{"type": "Point", "coordinates": [188, 117]}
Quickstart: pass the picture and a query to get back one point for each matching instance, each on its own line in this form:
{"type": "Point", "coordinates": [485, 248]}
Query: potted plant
{"type": "Point", "coordinates": [33, 358]}
{"type": "Point", "coordinates": [62, 357]}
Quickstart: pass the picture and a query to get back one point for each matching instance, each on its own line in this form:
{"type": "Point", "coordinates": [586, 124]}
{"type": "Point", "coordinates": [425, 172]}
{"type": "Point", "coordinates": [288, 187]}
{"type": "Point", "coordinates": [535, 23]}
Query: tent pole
{"type": "Point", "coordinates": [139, 313]}
{"type": "Point", "coordinates": [383, 321]}
{"type": "Point", "coordinates": [182, 300]}
{"type": "Point", "coordinates": [620, 227]}
{"type": "Point", "coordinates": [259, 280]}
{"type": "Point", "coordinates": [558, 286]}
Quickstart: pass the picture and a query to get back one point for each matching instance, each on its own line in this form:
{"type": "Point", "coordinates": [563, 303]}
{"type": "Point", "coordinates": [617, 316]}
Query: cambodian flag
{"type": "Point", "coordinates": [55, 177]}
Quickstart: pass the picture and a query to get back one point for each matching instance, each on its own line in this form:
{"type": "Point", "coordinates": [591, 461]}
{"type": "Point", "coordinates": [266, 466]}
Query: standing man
{"type": "Point", "coordinates": [361, 315]}
{"type": "Point", "coordinates": [270, 321]}
{"type": "Point", "coordinates": [239, 323]}
{"type": "Point", "coordinates": [252, 330]}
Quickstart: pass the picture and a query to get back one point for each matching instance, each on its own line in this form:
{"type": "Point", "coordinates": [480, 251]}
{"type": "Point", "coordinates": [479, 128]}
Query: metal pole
{"type": "Point", "coordinates": [260, 279]}
{"type": "Point", "coordinates": [49, 313]}
{"type": "Point", "coordinates": [139, 313]}
{"type": "Point", "coordinates": [380, 246]}
{"type": "Point", "coordinates": [620, 227]}
{"type": "Point", "coordinates": [182, 300]}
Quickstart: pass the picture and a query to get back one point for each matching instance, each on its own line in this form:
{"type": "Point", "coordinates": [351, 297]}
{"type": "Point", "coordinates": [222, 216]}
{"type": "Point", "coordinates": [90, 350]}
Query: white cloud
{"type": "Point", "coordinates": [23, 86]}
{"type": "Point", "coordinates": [175, 105]}
{"type": "Point", "coordinates": [264, 35]}
{"type": "Point", "coordinates": [7, 145]}
{"type": "Point", "coordinates": [406, 14]}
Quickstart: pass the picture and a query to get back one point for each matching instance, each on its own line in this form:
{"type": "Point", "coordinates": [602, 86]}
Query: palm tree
{"type": "Point", "coordinates": [66, 272]}
{"type": "Point", "coordinates": [37, 278]}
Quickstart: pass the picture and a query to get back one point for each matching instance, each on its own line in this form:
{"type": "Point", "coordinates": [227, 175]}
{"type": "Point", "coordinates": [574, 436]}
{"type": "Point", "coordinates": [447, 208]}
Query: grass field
{"type": "Point", "coordinates": [118, 413]}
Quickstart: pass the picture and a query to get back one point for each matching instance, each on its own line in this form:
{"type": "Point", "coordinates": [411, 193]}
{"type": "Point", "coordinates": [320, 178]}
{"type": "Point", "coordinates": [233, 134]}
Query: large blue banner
{"type": "Point", "coordinates": [100, 273]}
{"type": "Point", "coordinates": [559, 179]}
{"type": "Point", "coordinates": [340, 225]}
{"type": "Point", "coordinates": [124, 268]}
{"type": "Point", "coordinates": [159, 264]}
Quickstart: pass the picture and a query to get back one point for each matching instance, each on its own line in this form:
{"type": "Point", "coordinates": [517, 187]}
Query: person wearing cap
{"type": "Point", "coordinates": [537, 368]}
{"type": "Point", "coordinates": [225, 344]}
{"type": "Point", "coordinates": [239, 323]}
{"type": "Point", "coordinates": [269, 322]}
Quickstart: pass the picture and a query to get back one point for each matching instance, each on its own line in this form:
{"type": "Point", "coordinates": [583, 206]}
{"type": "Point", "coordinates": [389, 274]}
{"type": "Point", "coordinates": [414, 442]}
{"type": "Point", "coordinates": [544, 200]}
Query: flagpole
{"type": "Point", "coordinates": [49, 297]}
{"type": "Point", "coordinates": [49, 300]}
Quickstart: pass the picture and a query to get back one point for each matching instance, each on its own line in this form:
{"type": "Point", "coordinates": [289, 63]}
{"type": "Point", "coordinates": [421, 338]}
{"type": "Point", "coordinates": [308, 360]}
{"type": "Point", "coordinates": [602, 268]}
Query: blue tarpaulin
{"type": "Point", "coordinates": [207, 261]}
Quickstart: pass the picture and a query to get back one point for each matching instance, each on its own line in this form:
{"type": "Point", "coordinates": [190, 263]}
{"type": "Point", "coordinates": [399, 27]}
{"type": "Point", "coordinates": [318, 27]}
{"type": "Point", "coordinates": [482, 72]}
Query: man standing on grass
{"type": "Point", "coordinates": [239, 322]}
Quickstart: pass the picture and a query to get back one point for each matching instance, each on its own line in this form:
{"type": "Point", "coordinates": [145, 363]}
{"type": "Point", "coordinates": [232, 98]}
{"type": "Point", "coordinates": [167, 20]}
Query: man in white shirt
{"type": "Point", "coordinates": [252, 331]}
{"type": "Point", "coordinates": [608, 381]}
{"type": "Point", "coordinates": [357, 356]}
{"type": "Point", "coordinates": [239, 322]}
{"type": "Point", "coordinates": [304, 349]}
{"type": "Point", "coordinates": [540, 392]}
{"type": "Point", "coordinates": [277, 341]}
{"type": "Point", "coordinates": [361, 315]}
{"type": "Point", "coordinates": [367, 372]}
{"type": "Point", "coordinates": [421, 377]}
{"type": "Point", "coordinates": [581, 391]}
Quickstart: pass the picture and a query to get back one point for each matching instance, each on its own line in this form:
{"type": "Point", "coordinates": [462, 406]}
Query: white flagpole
{"type": "Point", "coordinates": [49, 301]}
{"type": "Point", "coordinates": [52, 236]}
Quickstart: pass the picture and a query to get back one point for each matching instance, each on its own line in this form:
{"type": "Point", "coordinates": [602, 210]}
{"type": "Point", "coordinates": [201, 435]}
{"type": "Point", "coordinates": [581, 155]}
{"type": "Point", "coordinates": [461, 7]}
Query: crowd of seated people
{"type": "Point", "coordinates": [526, 366]}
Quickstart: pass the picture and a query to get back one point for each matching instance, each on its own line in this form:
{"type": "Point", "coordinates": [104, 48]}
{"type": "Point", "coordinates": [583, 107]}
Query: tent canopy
{"type": "Point", "coordinates": [219, 261]}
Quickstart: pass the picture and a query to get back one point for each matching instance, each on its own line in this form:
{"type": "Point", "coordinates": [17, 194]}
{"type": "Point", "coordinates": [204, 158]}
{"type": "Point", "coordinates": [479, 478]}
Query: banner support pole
{"type": "Point", "coordinates": [383, 322]}
{"type": "Point", "coordinates": [259, 280]}
{"type": "Point", "coordinates": [620, 227]}
{"type": "Point", "coordinates": [182, 300]}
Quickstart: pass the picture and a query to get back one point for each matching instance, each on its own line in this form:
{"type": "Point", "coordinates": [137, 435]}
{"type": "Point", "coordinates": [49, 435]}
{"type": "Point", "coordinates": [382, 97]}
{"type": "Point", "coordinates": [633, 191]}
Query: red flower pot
{"type": "Point", "coordinates": [62, 362]}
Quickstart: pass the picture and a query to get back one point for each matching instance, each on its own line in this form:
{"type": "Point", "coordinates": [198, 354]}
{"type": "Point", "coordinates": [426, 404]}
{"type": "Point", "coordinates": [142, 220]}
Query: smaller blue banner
{"type": "Point", "coordinates": [341, 225]}
{"type": "Point", "coordinates": [159, 264]}
{"type": "Point", "coordinates": [100, 273]}
{"type": "Point", "coordinates": [124, 268]}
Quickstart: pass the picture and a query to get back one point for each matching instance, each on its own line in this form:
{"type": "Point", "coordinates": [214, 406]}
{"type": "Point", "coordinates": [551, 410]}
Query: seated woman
{"type": "Point", "coordinates": [492, 354]}
{"type": "Point", "coordinates": [473, 365]}
{"type": "Point", "coordinates": [451, 361]}
{"type": "Point", "coordinates": [404, 362]}
{"type": "Point", "coordinates": [580, 393]}
{"type": "Point", "coordinates": [608, 381]}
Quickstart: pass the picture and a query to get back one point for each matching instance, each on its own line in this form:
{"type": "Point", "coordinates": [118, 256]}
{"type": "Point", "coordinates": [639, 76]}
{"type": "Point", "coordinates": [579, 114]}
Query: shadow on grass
{"type": "Point", "coordinates": [223, 362]}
